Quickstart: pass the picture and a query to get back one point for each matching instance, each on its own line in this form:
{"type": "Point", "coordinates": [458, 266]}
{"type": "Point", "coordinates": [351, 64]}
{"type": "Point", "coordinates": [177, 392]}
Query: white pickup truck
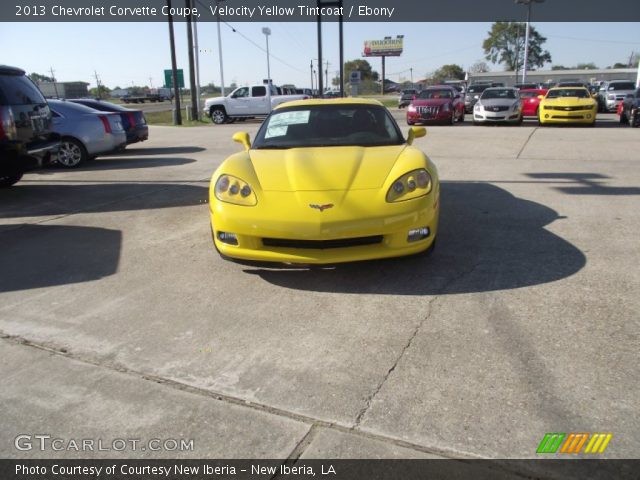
{"type": "Point", "coordinates": [245, 102]}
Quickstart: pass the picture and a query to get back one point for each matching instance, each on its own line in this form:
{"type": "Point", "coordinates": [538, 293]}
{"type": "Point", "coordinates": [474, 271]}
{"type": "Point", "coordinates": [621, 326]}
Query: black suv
{"type": "Point", "coordinates": [26, 138]}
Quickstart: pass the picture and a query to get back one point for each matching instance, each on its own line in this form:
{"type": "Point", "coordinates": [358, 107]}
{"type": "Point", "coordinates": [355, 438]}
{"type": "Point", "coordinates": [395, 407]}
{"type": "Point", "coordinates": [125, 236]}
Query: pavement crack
{"type": "Point", "coordinates": [409, 342]}
{"type": "Point", "coordinates": [298, 450]}
{"type": "Point", "coordinates": [526, 142]}
{"type": "Point", "coordinates": [417, 328]}
{"type": "Point", "coordinates": [315, 423]}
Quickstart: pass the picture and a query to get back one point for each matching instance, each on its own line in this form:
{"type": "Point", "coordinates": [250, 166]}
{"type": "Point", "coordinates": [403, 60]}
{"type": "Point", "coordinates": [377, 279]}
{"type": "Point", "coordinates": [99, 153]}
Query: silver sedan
{"type": "Point", "coordinates": [86, 133]}
{"type": "Point", "coordinates": [498, 105]}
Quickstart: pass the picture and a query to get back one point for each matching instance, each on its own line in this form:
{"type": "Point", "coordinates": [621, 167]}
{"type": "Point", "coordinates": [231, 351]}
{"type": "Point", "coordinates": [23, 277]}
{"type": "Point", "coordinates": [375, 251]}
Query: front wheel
{"type": "Point", "coordinates": [72, 153]}
{"type": "Point", "coordinates": [9, 178]}
{"type": "Point", "coordinates": [218, 116]}
{"type": "Point", "coordinates": [623, 118]}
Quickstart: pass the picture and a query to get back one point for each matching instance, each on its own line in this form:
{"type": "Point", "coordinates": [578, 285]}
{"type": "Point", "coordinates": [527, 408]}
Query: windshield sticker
{"type": "Point", "coordinates": [276, 131]}
{"type": "Point", "coordinates": [279, 124]}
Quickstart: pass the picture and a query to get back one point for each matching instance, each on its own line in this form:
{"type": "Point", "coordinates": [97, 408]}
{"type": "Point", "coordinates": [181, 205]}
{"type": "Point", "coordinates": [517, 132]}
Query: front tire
{"type": "Point", "coordinates": [218, 115]}
{"type": "Point", "coordinates": [8, 179]}
{"type": "Point", "coordinates": [72, 153]}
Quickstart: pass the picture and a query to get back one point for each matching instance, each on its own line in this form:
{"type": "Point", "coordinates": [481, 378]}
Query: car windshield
{"type": "Point", "coordinates": [409, 92]}
{"type": "Point", "coordinates": [19, 90]}
{"type": "Point", "coordinates": [477, 88]}
{"type": "Point", "coordinates": [499, 93]}
{"type": "Point", "coordinates": [568, 92]}
{"type": "Point", "coordinates": [328, 126]}
{"type": "Point", "coordinates": [433, 93]}
{"type": "Point", "coordinates": [622, 86]}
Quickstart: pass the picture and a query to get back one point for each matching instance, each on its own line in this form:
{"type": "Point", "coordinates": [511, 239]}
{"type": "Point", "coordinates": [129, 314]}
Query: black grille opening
{"type": "Point", "coordinates": [322, 244]}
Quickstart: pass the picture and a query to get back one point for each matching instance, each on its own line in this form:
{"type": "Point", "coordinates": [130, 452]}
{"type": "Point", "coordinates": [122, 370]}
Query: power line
{"type": "Point", "coordinates": [593, 40]}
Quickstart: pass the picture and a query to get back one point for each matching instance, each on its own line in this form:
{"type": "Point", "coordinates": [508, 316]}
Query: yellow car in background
{"type": "Point", "coordinates": [325, 181]}
{"type": "Point", "coordinates": [567, 105]}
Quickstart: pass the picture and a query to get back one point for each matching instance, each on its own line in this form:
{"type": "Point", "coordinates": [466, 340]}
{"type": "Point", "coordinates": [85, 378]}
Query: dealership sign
{"type": "Point", "coordinates": [389, 47]}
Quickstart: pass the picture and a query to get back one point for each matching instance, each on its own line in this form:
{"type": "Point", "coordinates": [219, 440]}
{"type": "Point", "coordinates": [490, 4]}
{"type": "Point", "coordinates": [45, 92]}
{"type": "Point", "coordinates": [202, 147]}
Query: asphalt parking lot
{"type": "Point", "coordinates": [118, 319]}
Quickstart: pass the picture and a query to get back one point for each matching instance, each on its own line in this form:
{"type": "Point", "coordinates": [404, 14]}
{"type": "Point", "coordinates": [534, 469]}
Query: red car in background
{"type": "Point", "coordinates": [437, 104]}
{"type": "Point", "coordinates": [530, 101]}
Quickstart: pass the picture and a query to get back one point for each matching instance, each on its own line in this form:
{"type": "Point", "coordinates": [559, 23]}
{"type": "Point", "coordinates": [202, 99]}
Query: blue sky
{"type": "Point", "coordinates": [133, 53]}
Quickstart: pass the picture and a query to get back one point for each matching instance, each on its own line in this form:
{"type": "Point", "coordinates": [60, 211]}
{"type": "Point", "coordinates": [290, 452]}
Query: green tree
{"type": "Point", "coordinates": [36, 77]}
{"type": "Point", "coordinates": [505, 45]}
{"type": "Point", "coordinates": [364, 67]}
{"type": "Point", "coordinates": [479, 67]}
{"type": "Point", "coordinates": [448, 72]}
{"type": "Point", "coordinates": [560, 67]}
{"type": "Point", "coordinates": [103, 92]}
{"type": "Point", "coordinates": [586, 66]}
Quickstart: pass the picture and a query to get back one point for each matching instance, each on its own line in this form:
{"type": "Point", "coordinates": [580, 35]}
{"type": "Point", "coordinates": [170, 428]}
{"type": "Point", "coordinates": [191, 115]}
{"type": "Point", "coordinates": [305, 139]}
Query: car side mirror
{"type": "Point", "coordinates": [540, 97]}
{"type": "Point", "coordinates": [457, 96]}
{"type": "Point", "coordinates": [243, 139]}
{"type": "Point", "coordinates": [415, 132]}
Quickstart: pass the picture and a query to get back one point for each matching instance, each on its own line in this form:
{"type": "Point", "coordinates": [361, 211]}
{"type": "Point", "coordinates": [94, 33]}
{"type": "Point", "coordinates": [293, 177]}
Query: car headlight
{"type": "Point", "coordinates": [477, 106]}
{"type": "Point", "coordinates": [411, 107]}
{"type": "Point", "coordinates": [414, 184]}
{"type": "Point", "coordinates": [612, 97]}
{"type": "Point", "coordinates": [231, 189]}
{"type": "Point", "coordinates": [446, 107]}
{"type": "Point", "coordinates": [516, 106]}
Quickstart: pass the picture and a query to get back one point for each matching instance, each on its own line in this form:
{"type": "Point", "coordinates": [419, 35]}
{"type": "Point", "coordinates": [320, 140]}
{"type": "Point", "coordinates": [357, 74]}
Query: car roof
{"type": "Point", "coordinates": [7, 70]}
{"type": "Point", "coordinates": [568, 88]}
{"type": "Point", "coordinates": [330, 101]}
{"type": "Point", "coordinates": [440, 87]}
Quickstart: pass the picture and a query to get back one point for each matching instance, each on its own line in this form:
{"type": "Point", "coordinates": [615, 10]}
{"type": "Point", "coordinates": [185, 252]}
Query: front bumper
{"type": "Point", "coordinates": [438, 117]}
{"type": "Point", "coordinates": [507, 116]}
{"type": "Point", "coordinates": [557, 116]}
{"type": "Point", "coordinates": [352, 218]}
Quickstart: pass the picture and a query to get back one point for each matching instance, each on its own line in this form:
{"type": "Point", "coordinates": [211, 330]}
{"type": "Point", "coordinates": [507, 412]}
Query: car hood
{"type": "Point", "coordinates": [498, 102]}
{"type": "Point", "coordinates": [431, 102]}
{"type": "Point", "coordinates": [568, 101]}
{"type": "Point", "coordinates": [324, 168]}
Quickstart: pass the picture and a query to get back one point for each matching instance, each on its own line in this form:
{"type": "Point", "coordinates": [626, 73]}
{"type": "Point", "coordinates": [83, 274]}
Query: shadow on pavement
{"type": "Point", "coordinates": [34, 200]}
{"type": "Point", "coordinates": [36, 256]}
{"type": "Point", "coordinates": [488, 240]}
{"type": "Point", "coordinates": [127, 163]}
{"type": "Point", "coordinates": [584, 184]}
{"type": "Point", "coordinates": [135, 150]}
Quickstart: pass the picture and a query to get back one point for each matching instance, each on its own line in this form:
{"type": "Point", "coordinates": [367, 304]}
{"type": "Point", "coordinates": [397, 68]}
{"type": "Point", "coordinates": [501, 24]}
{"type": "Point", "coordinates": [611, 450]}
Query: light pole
{"type": "Point", "coordinates": [526, 36]}
{"type": "Point", "coordinates": [267, 32]}
{"type": "Point", "coordinates": [220, 51]}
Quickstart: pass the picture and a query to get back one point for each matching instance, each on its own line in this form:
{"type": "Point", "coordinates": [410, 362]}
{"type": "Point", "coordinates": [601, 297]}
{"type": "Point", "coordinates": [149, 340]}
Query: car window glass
{"type": "Point", "coordinates": [568, 92]}
{"type": "Point", "coordinates": [241, 92]}
{"type": "Point", "coordinates": [19, 90]}
{"type": "Point", "coordinates": [435, 94]}
{"type": "Point", "coordinates": [506, 94]}
{"type": "Point", "coordinates": [622, 86]}
{"type": "Point", "coordinates": [330, 125]}
{"type": "Point", "coordinates": [258, 91]}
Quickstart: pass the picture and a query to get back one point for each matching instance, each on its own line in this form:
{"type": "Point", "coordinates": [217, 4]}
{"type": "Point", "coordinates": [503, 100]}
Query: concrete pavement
{"type": "Point", "coordinates": [524, 321]}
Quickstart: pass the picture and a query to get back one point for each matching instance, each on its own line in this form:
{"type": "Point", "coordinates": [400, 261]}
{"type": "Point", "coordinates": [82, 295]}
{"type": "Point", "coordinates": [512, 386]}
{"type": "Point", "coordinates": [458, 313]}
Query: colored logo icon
{"type": "Point", "coordinates": [574, 443]}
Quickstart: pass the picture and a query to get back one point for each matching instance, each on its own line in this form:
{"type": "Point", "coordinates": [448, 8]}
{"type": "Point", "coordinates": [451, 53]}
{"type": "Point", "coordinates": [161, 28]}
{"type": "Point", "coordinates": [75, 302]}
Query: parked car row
{"type": "Point", "coordinates": [35, 132]}
{"type": "Point", "coordinates": [557, 105]}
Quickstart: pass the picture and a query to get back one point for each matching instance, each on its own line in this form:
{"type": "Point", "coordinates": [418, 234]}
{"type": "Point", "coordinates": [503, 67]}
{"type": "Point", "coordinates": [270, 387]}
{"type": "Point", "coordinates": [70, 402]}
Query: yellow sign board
{"type": "Point", "coordinates": [389, 47]}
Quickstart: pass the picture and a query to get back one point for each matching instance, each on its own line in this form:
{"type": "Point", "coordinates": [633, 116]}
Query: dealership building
{"type": "Point", "coordinates": [509, 78]}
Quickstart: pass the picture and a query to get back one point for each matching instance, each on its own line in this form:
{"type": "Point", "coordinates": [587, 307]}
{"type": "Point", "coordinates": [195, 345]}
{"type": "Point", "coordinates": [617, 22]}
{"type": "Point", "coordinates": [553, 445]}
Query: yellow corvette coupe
{"type": "Point", "coordinates": [325, 181]}
{"type": "Point", "coordinates": [567, 105]}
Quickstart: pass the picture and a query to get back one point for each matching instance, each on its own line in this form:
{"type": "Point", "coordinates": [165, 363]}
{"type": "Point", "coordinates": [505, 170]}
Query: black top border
{"type": "Point", "coordinates": [307, 10]}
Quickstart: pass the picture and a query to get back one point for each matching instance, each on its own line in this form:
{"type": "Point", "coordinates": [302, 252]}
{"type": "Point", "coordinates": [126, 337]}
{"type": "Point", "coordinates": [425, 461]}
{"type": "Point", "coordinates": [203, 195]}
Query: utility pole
{"type": "Point", "coordinates": [177, 119]}
{"type": "Point", "coordinates": [326, 73]}
{"type": "Point", "coordinates": [53, 77]}
{"type": "Point", "coordinates": [220, 50]}
{"type": "Point", "coordinates": [196, 51]}
{"type": "Point", "coordinates": [411, 70]}
{"type": "Point", "coordinates": [320, 86]}
{"type": "Point", "coordinates": [150, 82]}
{"type": "Point", "coordinates": [97, 83]}
{"type": "Point", "coordinates": [192, 70]}
{"type": "Point", "coordinates": [311, 70]}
